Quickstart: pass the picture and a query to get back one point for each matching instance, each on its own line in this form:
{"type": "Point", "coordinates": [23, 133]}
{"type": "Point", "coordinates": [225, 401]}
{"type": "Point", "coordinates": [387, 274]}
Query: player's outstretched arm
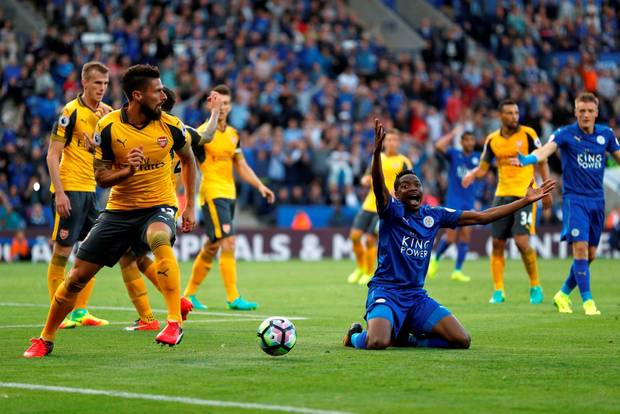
{"type": "Point", "coordinates": [54, 152]}
{"type": "Point", "coordinates": [188, 176]}
{"type": "Point", "coordinates": [379, 188]}
{"type": "Point", "coordinates": [538, 156]}
{"type": "Point", "coordinates": [247, 174]}
{"type": "Point", "coordinates": [106, 176]}
{"type": "Point", "coordinates": [214, 103]}
{"type": "Point", "coordinates": [487, 216]}
{"type": "Point", "coordinates": [443, 143]}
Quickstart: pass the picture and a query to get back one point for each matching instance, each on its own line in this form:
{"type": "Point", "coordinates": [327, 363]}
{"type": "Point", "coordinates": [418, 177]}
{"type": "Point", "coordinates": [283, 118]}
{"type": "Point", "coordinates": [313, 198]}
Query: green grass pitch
{"type": "Point", "coordinates": [524, 358]}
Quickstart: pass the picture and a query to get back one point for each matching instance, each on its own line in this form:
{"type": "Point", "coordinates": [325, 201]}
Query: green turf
{"type": "Point", "coordinates": [524, 358]}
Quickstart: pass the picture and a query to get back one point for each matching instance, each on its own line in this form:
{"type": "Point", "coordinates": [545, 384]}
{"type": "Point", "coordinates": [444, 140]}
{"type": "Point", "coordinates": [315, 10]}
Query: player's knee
{"type": "Point", "coordinates": [498, 246]}
{"type": "Point", "coordinates": [75, 281]}
{"type": "Point", "coordinates": [377, 342]}
{"type": "Point", "coordinates": [143, 263]}
{"type": "Point", "coordinates": [126, 260]}
{"type": "Point", "coordinates": [462, 341]}
{"type": "Point", "coordinates": [158, 238]}
{"type": "Point", "coordinates": [371, 241]}
{"type": "Point", "coordinates": [355, 236]}
{"type": "Point", "coordinates": [228, 244]}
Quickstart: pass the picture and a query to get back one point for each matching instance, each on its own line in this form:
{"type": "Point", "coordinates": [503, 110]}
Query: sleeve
{"type": "Point", "coordinates": [487, 154]}
{"type": "Point", "coordinates": [180, 135]}
{"type": "Point", "coordinates": [447, 217]}
{"type": "Point", "coordinates": [407, 164]}
{"type": "Point", "coordinates": [195, 136]}
{"type": "Point", "coordinates": [388, 211]}
{"type": "Point", "coordinates": [102, 138]}
{"type": "Point", "coordinates": [558, 138]}
{"type": "Point", "coordinates": [448, 154]}
{"type": "Point", "coordinates": [613, 145]}
{"type": "Point", "coordinates": [62, 130]}
{"type": "Point", "coordinates": [532, 140]}
{"type": "Point", "coordinates": [238, 148]}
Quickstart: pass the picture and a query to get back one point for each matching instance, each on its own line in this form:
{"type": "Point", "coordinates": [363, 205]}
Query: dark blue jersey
{"type": "Point", "coordinates": [460, 164]}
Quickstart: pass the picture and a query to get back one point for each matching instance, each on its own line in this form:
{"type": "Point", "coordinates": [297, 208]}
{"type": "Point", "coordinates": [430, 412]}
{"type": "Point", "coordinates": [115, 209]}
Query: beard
{"type": "Point", "coordinates": [152, 114]}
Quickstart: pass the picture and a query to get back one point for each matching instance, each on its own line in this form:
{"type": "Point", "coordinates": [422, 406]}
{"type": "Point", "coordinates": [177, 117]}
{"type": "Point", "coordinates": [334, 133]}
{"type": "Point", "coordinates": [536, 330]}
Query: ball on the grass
{"type": "Point", "coordinates": [276, 335]}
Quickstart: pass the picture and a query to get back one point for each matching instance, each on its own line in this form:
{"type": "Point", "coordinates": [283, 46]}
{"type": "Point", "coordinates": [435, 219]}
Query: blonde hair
{"type": "Point", "coordinates": [94, 66]}
{"type": "Point", "coordinates": [586, 97]}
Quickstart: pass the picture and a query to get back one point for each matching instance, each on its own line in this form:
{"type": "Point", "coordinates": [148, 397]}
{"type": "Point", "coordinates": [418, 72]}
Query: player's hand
{"type": "Point", "coordinates": [101, 111]}
{"type": "Point", "coordinates": [265, 192]}
{"type": "Point", "coordinates": [379, 134]}
{"type": "Point", "coordinates": [88, 143]}
{"type": "Point", "coordinates": [547, 202]}
{"type": "Point", "coordinates": [514, 161]}
{"type": "Point", "coordinates": [188, 220]}
{"type": "Point", "coordinates": [468, 179]}
{"type": "Point", "coordinates": [63, 204]}
{"type": "Point", "coordinates": [534, 194]}
{"type": "Point", "coordinates": [135, 158]}
{"type": "Point", "coordinates": [214, 101]}
{"type": "Point", "coordinates": [366, 181]}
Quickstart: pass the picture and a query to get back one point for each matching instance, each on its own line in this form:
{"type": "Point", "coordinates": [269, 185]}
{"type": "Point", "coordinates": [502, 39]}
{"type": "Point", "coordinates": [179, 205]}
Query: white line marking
{"type": "Point", "coordinates": [130, 322]}
{"type": "Point", "coordinates": [167, 398]}
{"type": "Point", "coordinates": [122, 308]}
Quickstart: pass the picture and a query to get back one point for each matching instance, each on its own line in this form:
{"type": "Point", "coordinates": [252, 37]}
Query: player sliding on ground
{"type": "Point", "coordinates": [583, 145]}
{"type": "Point", "coordinates": [398, 310]}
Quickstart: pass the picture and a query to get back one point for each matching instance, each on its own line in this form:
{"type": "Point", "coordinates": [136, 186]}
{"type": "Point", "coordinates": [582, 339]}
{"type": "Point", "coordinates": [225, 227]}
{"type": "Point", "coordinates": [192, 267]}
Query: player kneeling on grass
{"type": "Point", "coordinates": [398, 310]}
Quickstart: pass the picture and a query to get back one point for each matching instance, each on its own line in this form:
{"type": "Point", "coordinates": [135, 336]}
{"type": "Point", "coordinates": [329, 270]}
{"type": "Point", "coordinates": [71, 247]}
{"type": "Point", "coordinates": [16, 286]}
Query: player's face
{"type": "Point", "coordinates": [226, 106]}
{"type": "Point", "coordinates": [151, 99]}
{"type": "Point", "coordinates": [391, 144]}
{"type": "Point", "coordinates": [410, 191]}
{"type": "Point", "coordinates": [586, 113]}
{"type": "Point", "coordinates": [96, 85]}
{"type": "Point", "coordinates": [468, 142]}
{"type": "Point", "coordinates": [510, 116]}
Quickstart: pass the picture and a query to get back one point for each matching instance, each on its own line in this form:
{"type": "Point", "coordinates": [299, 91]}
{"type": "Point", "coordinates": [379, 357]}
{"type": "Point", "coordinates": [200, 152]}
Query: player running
{"type": "Point", "coordinates": [583, 146]}
{"type": "Point", "coordinates": [458, 198]}
{"type": "Point", "coordinates": [217, 196]}
{"type": "Point", "coordinates": [366, 220]}
{"type": "Point", "coordinates": [133, 158]}
{"type": "Point", "coordinates": [504, 144]}
{"type": "Point", "coordinates": [70, 166]}
{"type": "Point", "coordinates": [398, 310]}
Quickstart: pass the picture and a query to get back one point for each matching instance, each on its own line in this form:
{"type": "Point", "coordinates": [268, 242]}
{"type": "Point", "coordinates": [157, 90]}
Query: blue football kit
{"type": "Point", "coordinates": [458, 197]}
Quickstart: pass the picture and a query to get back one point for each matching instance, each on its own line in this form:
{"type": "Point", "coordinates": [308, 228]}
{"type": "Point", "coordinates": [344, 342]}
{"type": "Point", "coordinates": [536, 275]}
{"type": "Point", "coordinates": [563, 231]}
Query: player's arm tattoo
{"type": "Point", "coordinates": [106, 176]}
{"type": "Point", "coordinates": [188, 173]}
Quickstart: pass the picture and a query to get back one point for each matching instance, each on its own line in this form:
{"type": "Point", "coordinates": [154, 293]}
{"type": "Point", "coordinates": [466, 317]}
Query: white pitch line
{"type": "Point", "coordinates": [167, 398]}
{"type": "Point", "coordinates": [129, 323]}
{"type": "Point", "coordinates": [128, 309]}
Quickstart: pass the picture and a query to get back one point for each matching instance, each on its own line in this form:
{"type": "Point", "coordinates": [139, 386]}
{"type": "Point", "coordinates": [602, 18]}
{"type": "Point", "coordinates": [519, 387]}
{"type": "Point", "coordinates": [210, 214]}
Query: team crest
{"type": "Point", "coordinates": [226, 228]}
{"type": "Point", "coordinates": [63, 234]}
{"type": "Point", "coordinates": [574, 232]}
{"type": "Point", "coordinates": [162, 141]}
{"type": "Point", "coordinates": [63, 121]}
{"type": "Point", "coordinates": [429, 221]}
{"type": "Point", "coordinates": [600, 139]}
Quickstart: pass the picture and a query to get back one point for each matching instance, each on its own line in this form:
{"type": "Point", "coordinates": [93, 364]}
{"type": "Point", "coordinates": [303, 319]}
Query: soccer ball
{"type": "Point", "coordinates": [276, 335]}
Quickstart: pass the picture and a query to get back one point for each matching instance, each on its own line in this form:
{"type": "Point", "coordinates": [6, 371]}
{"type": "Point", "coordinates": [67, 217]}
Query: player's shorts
{"type": "Point", "coordinates": [84, 213]}
{"type": "Point", "coordinates": [582, 220]}
{"type": "Point", "coordinates": [218, 215]}
{"type": "Point", "coordinates": [366, 221]}
{"type": "Point", "coordinates": [522, 221]}
{"type": "Point", "coordinates": [117, 231]}
{"type": "Point", "coordinates": [409, 311]}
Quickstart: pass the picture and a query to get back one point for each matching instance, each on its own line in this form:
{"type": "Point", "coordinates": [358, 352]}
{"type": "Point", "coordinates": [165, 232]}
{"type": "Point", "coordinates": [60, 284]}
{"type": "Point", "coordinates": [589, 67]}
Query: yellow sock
{"type": "Point", "coordinates": [200, 269]}
{"type": "Point", "coordinates": [169, 280]}
{"type": "Point", "coordinates": [358, 250]}
{"type": "Point", "coordinates": [228, 269]}
{"type": "Point", "coordinates": [149, 269]}
{"type": "Point", "coordinates": [371, 258]}
{"type": "Point", "coordinates": [55, 273]}
{"type": "Point", "coordinates": [136, 288]}
{"type": "Point", "coordinates": [61, 305]}
{"type": "Point", "coordinates": [497, 269]}
{"type": "Point", "coordinates": [84, 295]}
{"type": "Point", "coordinates": [531, 266]}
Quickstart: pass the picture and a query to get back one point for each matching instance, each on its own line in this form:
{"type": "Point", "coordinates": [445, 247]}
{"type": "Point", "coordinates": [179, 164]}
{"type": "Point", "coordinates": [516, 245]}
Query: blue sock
{"type": "Point", "coordinates": [461, 249]}
{"type": "Point", "coordinates": [441, 248]}
{"type": "Point", "coordinates": [432, 342]}
{"type": "Point", "coordinates": [359, 340]}
{"type": "Point", "coordinates": [582, 276]}
{"type": "Point", "coordinates": [570, 282]}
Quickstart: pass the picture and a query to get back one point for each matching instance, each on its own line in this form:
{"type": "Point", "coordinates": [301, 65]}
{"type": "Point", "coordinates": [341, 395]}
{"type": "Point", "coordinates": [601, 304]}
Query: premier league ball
{"type": "Point", "coordinates": [276, 335]}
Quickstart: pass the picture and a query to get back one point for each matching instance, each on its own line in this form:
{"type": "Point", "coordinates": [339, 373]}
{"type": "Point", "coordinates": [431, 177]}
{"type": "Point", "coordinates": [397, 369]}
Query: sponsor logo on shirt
{"type": "Point", "coordinates": [411, 246]}
{"type": "Point", "coordinates": [590, 161]}
{"type": "Point", "coordinates": [380, 300]}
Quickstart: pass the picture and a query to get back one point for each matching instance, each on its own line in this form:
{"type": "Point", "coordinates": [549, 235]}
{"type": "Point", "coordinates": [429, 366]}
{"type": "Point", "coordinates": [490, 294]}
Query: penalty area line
{"type": "Point", "coordinates": [166, 398]}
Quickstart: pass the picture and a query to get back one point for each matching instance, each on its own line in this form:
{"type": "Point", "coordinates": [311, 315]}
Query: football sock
{"type": "Point", "coordinates": [168, 274]}
{"type": "Point", "coordinates": [582, 276]}
{"type": "Point", "coordinates": [82, 297]}
{"type": "Point", "coordinates": [531, 265]}
{"type": "Point", "coordinates": [497, 269]}
{"type": "Point", "coordinates": [358, 250]}
{"type": "Point", "coordinates": [570, 282]}
{"type": "Point", "coordinates": [441, 248]}
{"type": "Point", "coordinates": [461, 249]}
{"type": "Point", "coordinates": [149, 269]}
{"type": "Point", "coordinates": [63, 302]}
{"type": "Point", "coordinates": [371, 257]}
{"type": "Point", "coordinates": [228, 270]}
{"type": "Point", "coordinates": [55, 273]}
{"type": "Point", "coordinates": [136, 288]}
{"type": "Point", "coordinates": [200, 269]}
{"type": "Point", "coordinates": [359, 340]}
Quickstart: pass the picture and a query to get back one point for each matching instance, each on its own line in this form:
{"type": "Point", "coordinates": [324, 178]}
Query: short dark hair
{"type": "Point", "coordinates": [137, 77]}
{"type": "Point", "coordinates": [171, 99]}
{"type": "Point", "coordinates": [401, 175]}
{"type": "Point", "coordinates": [223, 90]}
{"type": "Point", "coordinates": [506, 102]}
{"type": "Point", "coordinates": [586, 97]}
{"type": "Point", "coordinates": [468, 133]}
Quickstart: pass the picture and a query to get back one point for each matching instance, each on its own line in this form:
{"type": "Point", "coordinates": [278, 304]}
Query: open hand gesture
{"type": "Point", "coordinates": [379, 134]}
{"type": "Point", "coordinates": [534, 194]}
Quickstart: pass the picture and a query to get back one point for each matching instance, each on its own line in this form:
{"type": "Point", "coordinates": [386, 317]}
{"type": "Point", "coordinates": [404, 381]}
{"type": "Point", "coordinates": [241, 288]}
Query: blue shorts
{"type": "Point", "coordinates": [411, 311]}
{"type": "Point", "coordinates": [583, 220]}
{"type": "Point", "coordinates": [459, 204]}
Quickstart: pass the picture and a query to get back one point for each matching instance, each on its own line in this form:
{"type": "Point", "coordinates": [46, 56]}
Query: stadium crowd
{"type": "Point", "coordinates": [307, 82]}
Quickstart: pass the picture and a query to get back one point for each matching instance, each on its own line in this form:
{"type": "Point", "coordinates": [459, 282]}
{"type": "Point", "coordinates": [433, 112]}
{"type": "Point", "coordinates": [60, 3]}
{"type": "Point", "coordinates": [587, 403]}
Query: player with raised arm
{"type": "Point", "coordinates": [70, 166]}
{"type": "Point", "coordinates": [398, 310]}
{"type": "Point", "coordinates": [366, 220]}
{"type": "Point", "coordinates": [458, 198]}
{"type": "Point", "coordinates": [504, 144]}
{"type": "Point", "coordinates": [217, 160]}
{"type": "Point", "coordinates": [583, 146]}
{"type": "Point", "coordinates": [132, 157]}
